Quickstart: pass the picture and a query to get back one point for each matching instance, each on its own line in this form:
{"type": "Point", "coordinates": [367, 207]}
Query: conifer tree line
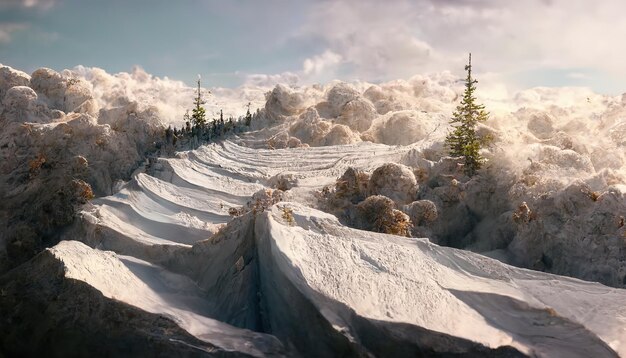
{"type": "Point", "coordinates": [197, 128]}
{"type": "Point", "coordinates": [463, 140]}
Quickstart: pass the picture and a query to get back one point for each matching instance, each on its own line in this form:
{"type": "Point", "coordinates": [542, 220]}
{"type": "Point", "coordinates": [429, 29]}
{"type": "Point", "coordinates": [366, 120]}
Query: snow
{"type": "Point", "coordinates": [452, 291]}
{"type": "Point", "coordinates": [395, 181]}
{"type": "Point", "coordinates": [152, 289]}
{"type": "Point", "coordinates": [163, 239]}
{"type": "Point", "coordinates": [382, 278]}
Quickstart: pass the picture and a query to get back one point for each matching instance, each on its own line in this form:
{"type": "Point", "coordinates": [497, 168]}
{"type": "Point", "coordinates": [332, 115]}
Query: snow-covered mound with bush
{"type": "Point", "coordinates": [276, 242]}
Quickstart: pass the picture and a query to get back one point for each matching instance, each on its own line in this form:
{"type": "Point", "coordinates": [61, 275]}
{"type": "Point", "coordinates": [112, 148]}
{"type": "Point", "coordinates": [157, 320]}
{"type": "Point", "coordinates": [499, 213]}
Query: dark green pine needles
{"type": "Point", "coordinates": [198, 114]}
{"type": "Point", "coordinates": [463, 140]}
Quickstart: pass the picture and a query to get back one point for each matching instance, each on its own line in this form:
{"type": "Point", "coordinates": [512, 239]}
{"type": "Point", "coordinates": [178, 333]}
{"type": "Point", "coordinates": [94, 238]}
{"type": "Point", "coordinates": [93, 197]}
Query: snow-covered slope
{"type": "Point", "coordinates": [312, 277]}
{"type": "Point", "coordinates": [348, 273]}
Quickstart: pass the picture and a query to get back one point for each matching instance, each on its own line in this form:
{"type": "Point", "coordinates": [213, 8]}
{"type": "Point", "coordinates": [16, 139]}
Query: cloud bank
{"type": "Point", "coordinates": [377, 41]}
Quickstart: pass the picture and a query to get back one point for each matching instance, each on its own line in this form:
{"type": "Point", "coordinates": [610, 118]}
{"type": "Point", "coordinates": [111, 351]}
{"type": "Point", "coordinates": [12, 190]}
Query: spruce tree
{"type": "Point", "coordinates": [463, 140]}
{"type": "Point", "coordinates": [248, 116]}
{"type": "Point", "coordinates": [198, 114]}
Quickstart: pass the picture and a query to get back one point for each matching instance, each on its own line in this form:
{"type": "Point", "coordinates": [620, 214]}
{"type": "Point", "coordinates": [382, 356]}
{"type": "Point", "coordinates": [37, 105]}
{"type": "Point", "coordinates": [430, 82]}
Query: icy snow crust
{"type": "Point", "coordinates": [289, 279]}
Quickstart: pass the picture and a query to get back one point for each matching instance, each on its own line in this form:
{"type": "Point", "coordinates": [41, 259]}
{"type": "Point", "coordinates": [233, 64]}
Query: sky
{"type": "Point", "coordinates": [514, 44]}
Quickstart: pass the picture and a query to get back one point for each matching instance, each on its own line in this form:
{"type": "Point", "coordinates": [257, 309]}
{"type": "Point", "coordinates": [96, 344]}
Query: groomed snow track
{"type": "Point", "coordinates": [264, 285]}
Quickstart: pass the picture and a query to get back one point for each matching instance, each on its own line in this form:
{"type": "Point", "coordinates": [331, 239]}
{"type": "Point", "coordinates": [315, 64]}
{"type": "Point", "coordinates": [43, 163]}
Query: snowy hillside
{"type": "Point", "coordinates": [265, 273]}
{"type": "Point", "coordinates": [264, 244]}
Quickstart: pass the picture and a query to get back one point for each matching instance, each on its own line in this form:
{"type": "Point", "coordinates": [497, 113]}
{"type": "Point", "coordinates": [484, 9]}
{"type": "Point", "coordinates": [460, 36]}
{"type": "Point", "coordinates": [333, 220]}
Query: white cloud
{"type": "Point", "coordinates": [172, 98]}
{"type": "Point", "coordinates": [268, 81]}
{"type": "Point", "coordinates": [7, 30]}
{"type": "Point", "coordinates": [375, 40]}
{"type": "Point", "coordinates": [320, 63]}
{"type": "Point", "coordinates": [31, 4]}
{"type": "Point", "coordinates": [397, 38]}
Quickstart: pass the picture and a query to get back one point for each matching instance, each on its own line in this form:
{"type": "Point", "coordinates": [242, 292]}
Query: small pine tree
{"type": "Point", "coordinates": [231, 123]}
{"type": "Point", "coordinates": [198, 114]}
{"type": "Point", "coordinates": [169, 134]}
{"type": "Point", "coordinates": [463, 140]}
{"type": "Point", "coordinates": [221, 123]}
{"type": "Point", "coordinates": [248, 116]}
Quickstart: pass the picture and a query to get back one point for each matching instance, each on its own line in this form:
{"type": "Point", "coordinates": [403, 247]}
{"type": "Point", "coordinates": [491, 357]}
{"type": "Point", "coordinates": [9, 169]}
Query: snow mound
{"type": "Point", "coordinates": [317, 132]}
{"type": "Point", "coordinates": [338, 96]}
{"type": "Point", "coordinates": [402, 128]}
{"type": "Point", "coordinates": [283, 101]}
{"type": "Point", "coordinates": [49, 120]}
{"type": "Point", "coordinates": [357, 114]}
{"type": "Point", "coordinates": [20, 105]}
{"type": "Point", "coordinates": [10, 77]}
{"type": "Point", "coordinates": [541, 125]}
{"type": "Point", "coordinates": [395, 181]}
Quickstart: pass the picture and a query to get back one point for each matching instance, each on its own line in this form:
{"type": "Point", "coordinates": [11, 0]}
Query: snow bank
{"type": "Point", "coordinates": [346, 274]}
{"type": "Point", "coordinates": [53, 133]}
{"type": "Point", "coordinates": [133, 293]}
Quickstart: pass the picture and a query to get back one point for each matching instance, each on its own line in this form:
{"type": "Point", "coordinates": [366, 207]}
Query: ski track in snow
{"type": "Point", "coordinates": [380, 277]}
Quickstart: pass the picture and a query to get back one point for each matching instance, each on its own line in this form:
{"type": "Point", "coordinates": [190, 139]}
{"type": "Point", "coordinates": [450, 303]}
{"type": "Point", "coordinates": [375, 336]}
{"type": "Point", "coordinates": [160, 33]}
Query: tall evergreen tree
{"type": "Point", "coordinates": [198, 114]}
{"type": "Point", "coordinates": [248, 116]}
{"type": "Point", "coordinates": [187, 119]}
{"type": "Point", "coordinates": [463, 140]}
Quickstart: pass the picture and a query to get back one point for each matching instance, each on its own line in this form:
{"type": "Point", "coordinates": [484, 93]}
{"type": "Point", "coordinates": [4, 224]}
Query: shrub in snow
{"type": "Point", "coordinates": [377, 213]}
{"type": "Point", "coordinates": [260, 201]}
{"type": "Point", "coordinates": [287, 215]}
{"type": "Point", "coordinates": [523, 214]}
{"type": "Point", "coordinates": [421, 212]}
{"type": "Point", "coordinates": [350, 189]}
{"type": "Point", "coordinates": [263, 199]}
{"type": "Point", "coordinates": [352, 186]}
